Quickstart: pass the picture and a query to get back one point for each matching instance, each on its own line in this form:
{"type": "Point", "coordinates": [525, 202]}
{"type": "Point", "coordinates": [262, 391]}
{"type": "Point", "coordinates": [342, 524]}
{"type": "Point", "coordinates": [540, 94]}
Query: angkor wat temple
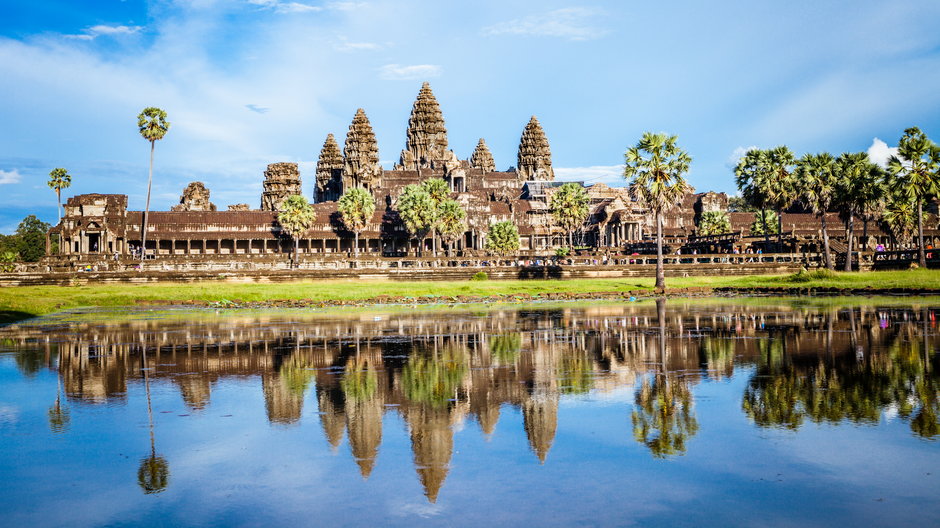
{"type": "Point", "coordinates": [101, 224]}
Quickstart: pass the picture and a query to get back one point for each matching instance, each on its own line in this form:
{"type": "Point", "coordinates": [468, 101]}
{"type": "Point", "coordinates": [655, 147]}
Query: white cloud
{"type": "Point", "coordinates": [879, 152]}
{"type": "Point", "coordinates": [417, 72]}
{"type": "Point", "coordinates": [572, 23]}
{"type": "Point", "coordinates": [95, 31]}
{"type": "Point", "coordinates": [299, 7]}
{"type": "Point", "coordinates": [12, 176]}
{"type": "Point", "coordinates": [611, 175]}
{"type": "Point", "coordinates": [295, 7]}
{"type": "Point", "coordinates": [739, 153]}
{"type": "Point", "coordinates": [345, 6]}
{"type": "Point", "coordinates": [345, 45]}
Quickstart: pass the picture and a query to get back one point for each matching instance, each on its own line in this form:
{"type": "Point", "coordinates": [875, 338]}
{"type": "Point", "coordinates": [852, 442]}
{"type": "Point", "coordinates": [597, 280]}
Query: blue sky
{"type": "Point", "coordinates": [251, 82]}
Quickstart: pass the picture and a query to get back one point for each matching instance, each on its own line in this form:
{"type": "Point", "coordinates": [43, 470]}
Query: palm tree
{"type": "Point", "coordinates": [714, 223]}
{"type": "Point", "coordinates": [502, 238]}
{"type": "Point", "coordinates": [451, 222]}
{"type": "Point", "coordinates": [356, 207]}
{"type": "Point", "coordinates": [438, 190]}
{"type": "Point", "coordinates": [899, 217]}
{"type": "Point", "coordinates": [296, 217]}
{"type": "Point", "coordinates": [859, 188]}
{"type": "Point", "coordinates": [570, 208]}
{"type": "Point", "coordinates": [655, 169]}
{"type": "Point", "coordinates": [418, 211]}
{"type": "Point", "coordinates": [764, 178]}
{"type": "Point", "coordinates": [59, 179]}
{"type": "Point", "coordinates": [915, 169]}
{"type": "Point", "coordinates": [152, 124]}
{"type": "Point", "coordinates": [816, 176]}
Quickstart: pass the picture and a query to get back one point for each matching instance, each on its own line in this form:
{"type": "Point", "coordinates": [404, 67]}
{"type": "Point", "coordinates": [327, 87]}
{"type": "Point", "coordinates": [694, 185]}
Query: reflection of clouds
{"type": "Point", "coordinates": [9, 414]}
{"type": "Point", "coordinates": [420, 509]}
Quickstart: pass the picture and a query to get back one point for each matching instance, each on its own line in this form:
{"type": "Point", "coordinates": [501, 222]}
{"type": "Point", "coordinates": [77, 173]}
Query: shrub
{"type": "Point", "coordinates": [809, 276]}
{"type": "Point", "coordinates": [480, 276]}
{"type": "Point", "coordinates": [562, 252]}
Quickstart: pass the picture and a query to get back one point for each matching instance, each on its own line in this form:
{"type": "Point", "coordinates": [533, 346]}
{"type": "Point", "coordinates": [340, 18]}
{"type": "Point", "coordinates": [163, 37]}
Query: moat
{"type": "Point", "coordinates": [734, 412]}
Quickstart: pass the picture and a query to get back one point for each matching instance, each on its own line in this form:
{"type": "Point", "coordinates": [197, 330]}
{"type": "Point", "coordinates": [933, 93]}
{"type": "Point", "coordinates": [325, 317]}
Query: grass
{"type": "Point", "coordinates": [20, 302]}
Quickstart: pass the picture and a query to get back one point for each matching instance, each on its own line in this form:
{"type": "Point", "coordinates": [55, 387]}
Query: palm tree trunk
{"type": "Point", "coordinates": [779, 228]}
{"type": "Point", "coordinates": [763, 215]}
{"type": "Point", "coordinates": [660, 270]}
{"type": "Point", "coordinates": [356, 235]}
{"type": "Point", "coordinates": [58, 195]}
{"type": "Point", "coordinates": [827, 257]}
{"type": "Point", "coordinates": [296, 250]}
{"type": "Point", "coordinates": [571, 239]}
{"type": "Point", "coordinates": [921, 256]}
{"type": "Point", "coordinates": [849, 235]}
{"type": "Point", "coordinates": [143, 229]}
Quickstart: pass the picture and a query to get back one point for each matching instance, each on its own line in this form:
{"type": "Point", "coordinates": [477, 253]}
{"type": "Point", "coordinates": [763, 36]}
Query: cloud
{"type": "Point", "coordinates": [572, 23]}
{"type": "Point", "coordinates": [417, 72]}
{"type": "Point", "coordinates": [345, 45]}
{"type": "Point", "coordinates": [298, 7]}
{"type": "Point", "coordinates": [295, 7]}
{"type": "Point", "coordinates": [611, 175]}
{"type": "Point", "coordinates": [879, 152]}
{"type": "Point", "coordinates": [737, 154]}
{"type": "Point", "coordinates": [95, 31]}
{"type": "Point", "coordinates": [345, 6]}
{"type": "Point", "coordinates": [12, 176]}
{"type": "Point", "coordinates": [258, 109]}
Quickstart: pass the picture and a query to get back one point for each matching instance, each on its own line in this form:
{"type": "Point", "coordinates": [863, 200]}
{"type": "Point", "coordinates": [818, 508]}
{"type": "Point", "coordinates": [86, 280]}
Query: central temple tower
{"type": "Point", "coordinates": [426, 144]}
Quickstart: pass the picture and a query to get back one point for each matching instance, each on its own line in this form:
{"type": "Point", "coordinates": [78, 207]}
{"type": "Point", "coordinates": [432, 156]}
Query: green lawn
{"type": "Point", "coordinates": [19, 302]}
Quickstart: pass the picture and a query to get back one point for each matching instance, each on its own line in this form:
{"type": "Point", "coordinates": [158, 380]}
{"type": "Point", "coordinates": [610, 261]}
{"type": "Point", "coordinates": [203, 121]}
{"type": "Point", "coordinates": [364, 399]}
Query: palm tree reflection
{"type": "Point", "coordinates": [153, 475]}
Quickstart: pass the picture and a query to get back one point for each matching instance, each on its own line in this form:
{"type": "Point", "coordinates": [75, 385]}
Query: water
{"type": "Point", "coordinates": [736, 412]}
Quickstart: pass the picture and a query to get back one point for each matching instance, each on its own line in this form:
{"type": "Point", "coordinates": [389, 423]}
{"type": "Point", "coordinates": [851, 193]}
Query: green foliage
{"type": "Point", "coordinates": [899, 216]}
{"type": "Point", "coordinates": [360, 381]}
{"type": "Point", "coordinates": [765, 223]}
{"type": "Point", "coordinates": [562, 252]}
{"type": "Point", "coordinates": [31, 239]}
{"type": "Point", "coordinates": [59, 179]}
{"type": "Point", "coordinates": [816, 174]}
{"type": "Point", "coordinates": [296, 374]}
{"type": "Point", "coordinates": [737, 204]}
{"type": "Point", "coordinates": [153, 475]}
{"type": "Point", "coordinates": [296, 216]}
{"type": "Point", "coordinates": [860, 185]}
{"type": "Point", "coordinates": [356, 207]}
{"type": "Point", "coordinates": [655, 169]}
{"type": "Point", "coordinates": [452, 220]}
{"type": "Point", "coordinates": [505, 348]}
{"type": "Point", "coordinates": [569, 205]}
{"type": "Point", "coordinates": [480, 276]}
{"type": "Point", "coordinates": [418, 210]}
{"type": "Point", "coordinates": [576, 374]}
{"type": "Point", "coordinates": [804, 276]}
{"type": "Point", "coordinates": [502, 238]}
{"type": "Point", "coordinates": [915, 167]}
{"type": "Point", "coordinates": [434, 380]}
{"type": "Point", "coordinates": [437, 189]}
{"type": "Point", "coordinates": [663, 419]}
{"type": "Point", "coordinates": [152, 124]}
{"type": "Point", "coordinates": [714, 223]}
{"type": "Point", "coordinates": [765, 179]}
{"type": "Point", "coordinates": [8, 261]}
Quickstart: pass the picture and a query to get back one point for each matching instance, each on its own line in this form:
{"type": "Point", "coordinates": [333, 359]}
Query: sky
{"type": "Point", "coordinates": [246, 83]}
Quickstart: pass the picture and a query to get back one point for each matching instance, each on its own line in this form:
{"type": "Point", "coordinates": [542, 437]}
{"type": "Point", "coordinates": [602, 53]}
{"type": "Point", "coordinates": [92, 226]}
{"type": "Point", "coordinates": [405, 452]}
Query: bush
{"type": "Point", "coordinates": [562, 252]}
{"type": "Point", "coordinates": [480, 276]}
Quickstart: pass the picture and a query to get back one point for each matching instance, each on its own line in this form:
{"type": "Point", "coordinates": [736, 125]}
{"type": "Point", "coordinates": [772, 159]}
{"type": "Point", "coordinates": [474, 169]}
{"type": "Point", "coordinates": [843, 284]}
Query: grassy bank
{"type": "Point", "coordinates": [20, 302]}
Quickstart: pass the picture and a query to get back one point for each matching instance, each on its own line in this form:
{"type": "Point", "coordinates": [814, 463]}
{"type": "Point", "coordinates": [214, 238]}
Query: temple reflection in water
{"type": "Point", "coordinates": [439, 370]}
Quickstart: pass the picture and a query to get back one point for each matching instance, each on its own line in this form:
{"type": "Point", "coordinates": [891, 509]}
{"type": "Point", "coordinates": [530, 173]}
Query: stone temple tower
{"type": "Point", "coordinates": [361, 155]}
{"type": "Point", "coordinates": [482, 158]}
{"type": "Point", "coordinates": [280, 181]}
{"type": "Point", "coordinates": [427, 135]}
{"type": "Point", "coordinates": [329, 171]}
{"type": "Point", "coordinates": [535, 158]}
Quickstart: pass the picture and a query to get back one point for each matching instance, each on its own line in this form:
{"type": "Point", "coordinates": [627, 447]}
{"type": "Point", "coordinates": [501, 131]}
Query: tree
{"type": "Point", "coordinates": [438, 190]}
{"type": "Point", "coordinates": [59, 179]}
{"type": "Point", "coordinates": [152, 124]}
{"type": "Point", "coordinates": [356, 207]}
{"type": "Point", "coordinates": [765, 223]}
{"type": "Point", "coordinates": [900, 217]}
{"type": "Point", "coordinates": [764, 178]}
{"type": "Point", "coordinates": [418, 211]}
{"type": "Point", "coordinates": [570, 208]}
{"type": "Point", "coordinates": [451, 222]}
{"type": "Point", "coordinates": [817, 177]}
{"type": "Point", "coordinates": [31, 239]}
{"type": "Point", "coordinates": [737, 204]}
{"type": "Point", "coordinates": [655, 168]}
{"type": "Point", "coordinates": [502, 238]}
{"type": "Point", "coordinates": [859, 190]}
{"type": "Point", "coordinates": [714, 223]}
{"type": "Point", "coordinates": [296, 217]}
{"type": "Point", "coordinates": [915, 169]}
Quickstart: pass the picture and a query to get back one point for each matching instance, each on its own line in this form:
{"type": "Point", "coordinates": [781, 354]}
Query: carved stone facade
{"type": "Point", "coordinates": [361, 154]}
{"type": "Point", "coordinates": [482, 158]}
{"type": "Point", "coordinates": [535, 158]}
{"type": "Point", "coordinates": [426, 144]}
{"type": "Point", "coordinates": [195, 198]}
{"type": "Point", "coordinates": [329, 171]}
{"type": "Point", "coordinates": [281, 180]}
{"type": "Point", "coordinates": [239, 207]}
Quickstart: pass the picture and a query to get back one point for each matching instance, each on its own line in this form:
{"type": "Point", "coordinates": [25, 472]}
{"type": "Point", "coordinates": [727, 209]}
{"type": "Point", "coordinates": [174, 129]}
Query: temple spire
{"type": "Point", "coordinates": [535, 158]}
{"type": "Point", "coordinates": [482, 158]}
{"type": "Point", "coordinates": [427, 135]}
{"type": "Point", "coordinates": [361, 167]}
{"type": "Point", "coordinates": [329, 171]}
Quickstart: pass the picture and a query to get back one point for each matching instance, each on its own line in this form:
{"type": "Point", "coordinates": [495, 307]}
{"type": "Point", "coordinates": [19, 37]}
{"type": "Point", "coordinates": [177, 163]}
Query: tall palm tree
{"type": "Point", "coordinates": [418, 211]}
{"type": "Point", "coordinates": [655, 168]}
{"type": "Point", "coordinates": [356, 207]}
{"type": "Point", "coordinates": [152, 124]}
{"type": "Point", "coordinates": [900, 217]}
{"type": "Point", "coordinates": [438, 190]}
{"type": "Point", "coordinates": [451, 222]}
{"type": "Point", "coordinates": [749, 175]}
{"type": "Point", "coordinates": [59, 179]}
{"type": "Point", "coordinates": [816, 176]}
{"type": "Point", "coordinates": [859, 189]}
{"type": "Point", "coordinates": [570, 208]}
{"type": "Point", "coordinates": [765, 180]}
{"type": "Point", "coordinates": [916, 171]}
{"type": "Point", "coordinates": [296, 217]}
